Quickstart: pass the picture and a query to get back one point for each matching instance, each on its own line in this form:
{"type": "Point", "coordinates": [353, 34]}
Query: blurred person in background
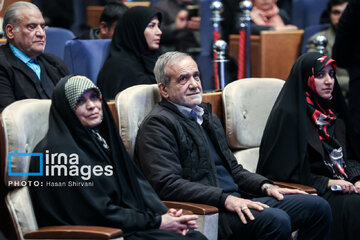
{"type": "Point", "coordinates": [133, 52]}
{"type": "Point", "coordinates": [180, 25]}
{"type": "Point", "coordinates": [113, 11]}
{"type": "Point", "coordinates": [25, 71]}
{"type": "Point", "coordinates": [334, 10]}
{"type": "Point", "coordinates": [265, 15]}
{"type": "Point", "coordinates": [346, 52]}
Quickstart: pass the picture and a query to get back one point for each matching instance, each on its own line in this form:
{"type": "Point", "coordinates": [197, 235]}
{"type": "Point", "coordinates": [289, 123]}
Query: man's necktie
{"type": "Point", "coordinates": [193, 115]}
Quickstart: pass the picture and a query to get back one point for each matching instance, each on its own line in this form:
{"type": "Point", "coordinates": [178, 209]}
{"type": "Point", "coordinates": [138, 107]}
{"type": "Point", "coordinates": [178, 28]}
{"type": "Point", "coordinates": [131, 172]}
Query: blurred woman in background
{"type": "Point", "coordinates": [133, 52]}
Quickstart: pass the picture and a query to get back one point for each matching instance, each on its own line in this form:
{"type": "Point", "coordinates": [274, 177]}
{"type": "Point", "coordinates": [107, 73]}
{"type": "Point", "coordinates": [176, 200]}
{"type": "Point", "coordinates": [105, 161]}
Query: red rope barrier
{"type": "Point", "coordinates": [242, 54]}
{"type": "Point", "coordinates": [216, 75]}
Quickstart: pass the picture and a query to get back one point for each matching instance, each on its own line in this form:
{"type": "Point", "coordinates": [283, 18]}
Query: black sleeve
{"type": "Point", "coordinates": [7, 95]}
{"type": "Point", "coordinates": [353, 170]}
{"type": "Point", "coordinates": [156, 153]}
{"type": "Point", "coordinates": [81, 205]}
{"type": "Point", "coordinates": [347, 35]}
{"type": "Point", "coordinates": [285, 17]}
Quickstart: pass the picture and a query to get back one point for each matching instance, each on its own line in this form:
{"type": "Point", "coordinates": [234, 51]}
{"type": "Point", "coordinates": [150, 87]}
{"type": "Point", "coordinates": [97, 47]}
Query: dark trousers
{"type": "Point", "coordinates": [346, 218]}
{"type": "Point", "coordinates": [159, 234]}
{"type": "Point", "coordinates": [309, 214]}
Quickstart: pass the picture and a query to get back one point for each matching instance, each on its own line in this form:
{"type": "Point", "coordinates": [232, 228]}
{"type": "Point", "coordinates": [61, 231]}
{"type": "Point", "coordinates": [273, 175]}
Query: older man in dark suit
{"type": "Point", "coordinates": [25, 72]}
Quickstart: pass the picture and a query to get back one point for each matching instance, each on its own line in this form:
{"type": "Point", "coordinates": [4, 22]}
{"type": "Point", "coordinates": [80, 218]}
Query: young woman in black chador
{"type": "Point", "coordinates": [133, 52]}
{"type": "Point", "coordinates": [82, 129]}
{"type": "Point", "coordinates": [308, 139]}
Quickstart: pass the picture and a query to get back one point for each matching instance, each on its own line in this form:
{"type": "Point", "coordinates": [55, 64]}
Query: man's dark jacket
{"type": "Point", "coordinates": [174, 155]}
{"type": "Point", "coordinates": [18, 81]}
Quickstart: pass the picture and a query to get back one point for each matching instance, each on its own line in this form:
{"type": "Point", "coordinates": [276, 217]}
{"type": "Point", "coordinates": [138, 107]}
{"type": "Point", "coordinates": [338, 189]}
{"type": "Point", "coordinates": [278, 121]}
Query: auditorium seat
{"type": "Point", "coordinates": [17, 134]}
{"type": "Point", "coordinates": [24, 123]}
{"type": "Point", "coordinates": [132, 105]}
{"type": "Point", "coordinates": [55, 40]}
{"type": "Point", "coordinates": [247, 105]}
{"type": "Point", "coordinates": [86, 57]}
{"type": "Point", "coordinates": [307, 12]}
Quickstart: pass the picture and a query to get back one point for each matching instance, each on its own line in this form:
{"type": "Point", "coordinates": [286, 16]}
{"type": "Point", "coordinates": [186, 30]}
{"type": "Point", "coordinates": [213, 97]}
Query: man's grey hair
{"type": "Point", "coordinates": [165, 60]}
{"type": "Point", "coordinates": [12, 14]}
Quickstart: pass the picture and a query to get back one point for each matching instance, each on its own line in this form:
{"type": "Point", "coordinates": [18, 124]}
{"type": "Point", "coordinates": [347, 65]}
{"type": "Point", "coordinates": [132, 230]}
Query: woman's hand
{"type": "Point", "coordinates": [175, 221]}
{"type": "Point", "coordinates": [347, 187]}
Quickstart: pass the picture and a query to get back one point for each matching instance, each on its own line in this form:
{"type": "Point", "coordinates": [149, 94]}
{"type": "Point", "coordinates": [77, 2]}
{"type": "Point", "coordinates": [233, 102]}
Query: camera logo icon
{"type": "Point", "coordinates": [16, 154]}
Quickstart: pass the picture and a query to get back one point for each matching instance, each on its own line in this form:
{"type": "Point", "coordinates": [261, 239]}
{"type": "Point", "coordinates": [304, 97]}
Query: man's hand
{"type": "Point", "coordinates": [278, 192]}
{"type": "Point", "coordinates": [175, 221]}
{"type": "Point", "coordinates": [347, 187]}
{"type": "Point", "coordinates": [242, 207]}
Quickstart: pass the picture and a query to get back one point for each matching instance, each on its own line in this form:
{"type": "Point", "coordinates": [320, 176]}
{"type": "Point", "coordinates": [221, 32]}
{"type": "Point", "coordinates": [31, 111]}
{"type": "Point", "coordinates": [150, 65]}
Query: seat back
{"type": "Point", "coordinates": [79, 24]}
{"type": "Point", "coordinates": [86, 57]}
{"type": "Point", "coordinates": [247, 105]}
{"type": "Point", "coordinates": [133, 105]}
{"type": "Point", "coordinates": [55, 40]}
{"type": "Point", "coordinates": [307, 12]}
{"type": "Point", "coordinates": [310, 31]}
{"type": "Point", "coordinates": [24, 124]}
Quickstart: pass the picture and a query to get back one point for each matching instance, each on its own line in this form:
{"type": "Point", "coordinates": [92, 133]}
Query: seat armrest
{"type": "Point", "coordinates": [304, 188]}
{"type": "Point", "coordinates": [196, 208]}
{"type": "Point", "coordinates": [73, 232]}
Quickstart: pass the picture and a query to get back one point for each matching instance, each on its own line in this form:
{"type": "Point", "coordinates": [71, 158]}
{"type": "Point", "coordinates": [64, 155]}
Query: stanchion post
{"type": "Point", "coordinates": [320, 43]}
{"type": "Point", "coordinates": [216, 8]}
{"type": "Point", "coordinates": [244, 19]}
{"type": "Point", "coordinates": [219, 48]}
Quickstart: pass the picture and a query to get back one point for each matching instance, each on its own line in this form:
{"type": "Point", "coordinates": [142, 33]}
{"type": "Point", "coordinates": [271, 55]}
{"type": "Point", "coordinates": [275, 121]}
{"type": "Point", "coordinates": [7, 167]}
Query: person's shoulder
{"type": "Point", "coordinates": [2, 49]}
{"type": "Point", "coordinates": [125, 57]}
{"type": "Point", "coordinates": [2, 53]}
{"type": "Point", "coordinates": [7, 59]}
{"type": "Point", "coordinates": [161, 111]}
{"type": "Point", "coordinates": [323, 32]}
{"type": "Point", "coordinates": [284, 16]}
{"type": "Point", "coordinates": [123, 67]}
{"type": "Point", "coordinates": [53, 60]}
{"type": "Point", "coordinates": [90, 34]}
{"type": "Point", "coordinates": [50, 56]}
{"type": "Point", "coordinates": [161, 114]}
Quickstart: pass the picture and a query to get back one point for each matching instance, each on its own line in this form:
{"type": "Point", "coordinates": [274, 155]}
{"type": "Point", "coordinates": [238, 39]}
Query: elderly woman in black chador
{"type": "Point", "coordinates": [308, 140]}
{"type": "Point", "coordinates": [103, 186]}
{"type": "Point", "coordinates": [133, 52]}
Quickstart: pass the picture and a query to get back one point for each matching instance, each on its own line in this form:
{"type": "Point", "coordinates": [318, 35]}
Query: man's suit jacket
{"type": "Point", "coordinates": [18, 81]}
